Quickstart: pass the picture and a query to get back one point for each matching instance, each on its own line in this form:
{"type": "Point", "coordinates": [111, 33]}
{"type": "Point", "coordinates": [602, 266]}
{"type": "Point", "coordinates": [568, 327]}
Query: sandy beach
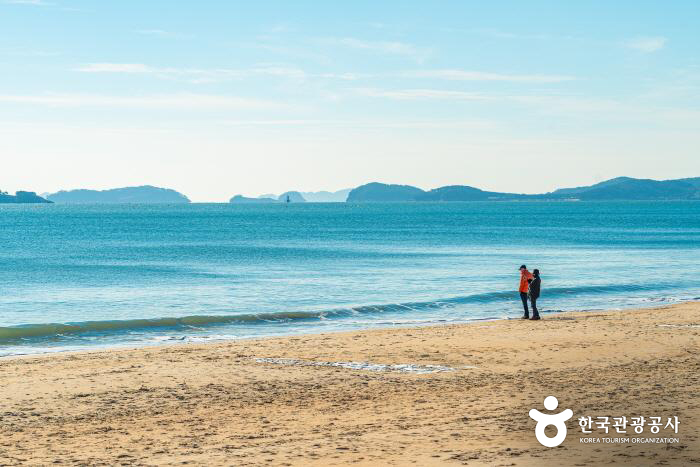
{"type": "Point", "coordinates": [279, 401]}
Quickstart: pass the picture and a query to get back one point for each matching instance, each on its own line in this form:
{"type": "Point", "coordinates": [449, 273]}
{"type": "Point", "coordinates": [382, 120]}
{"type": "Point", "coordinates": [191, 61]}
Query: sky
{"type": "Point", "coordinates": [217, 98]}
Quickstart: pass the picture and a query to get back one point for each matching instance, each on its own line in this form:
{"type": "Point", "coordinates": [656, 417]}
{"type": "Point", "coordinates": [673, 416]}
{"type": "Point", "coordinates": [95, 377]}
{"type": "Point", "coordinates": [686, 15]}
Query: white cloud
{"type": "Point", "coordinates": [385, 47]}
{"type": "Point", "coordinates": [546, 103]}
{"type": "Point", "coordinates": [462, 75]}
{"type": "Point", "coordinates": [288, 122]}
{"type": "Point", "coordinates": [28, 2]}
{"type": "Point", "coordinates": [163, 33]}
{"type": "Point", "coordinates": [367, 124]}
{"type": "Point", "coordinates": [345, 76]}
{"type": "Point", "coordinates": [499, 34]}
{"type": "Point", "coordinates": [117, 68]}
{"type": "Point", "coordinates": [381, 46]}
{"type": "Point", "coordinates": [560, 105]}
{"type": "Point", "coordinates": [193, 74]}
{"type": "Point", "coordinates": [27, 52]}
{"type": "Point", "coordinates": [409, 94]}
{"type": "Point", "coordinates": [196, 75]}
{"type": "Point", "coordinates": [647, 44]}
{"type": "Point", "coordinates": [153, 32]}
{"type": "Point", "coordinates": [286, 72]}
{"type": "Point", "coordinates": [162, 101]}
{"type": "Point", "coordinates": [216, 74]}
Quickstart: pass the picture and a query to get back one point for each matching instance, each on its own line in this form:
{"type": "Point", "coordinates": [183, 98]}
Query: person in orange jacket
{"type": "Point", "coordinates": [525, 279]}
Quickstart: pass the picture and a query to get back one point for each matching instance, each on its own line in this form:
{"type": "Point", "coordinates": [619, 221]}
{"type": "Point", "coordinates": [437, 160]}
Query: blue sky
{"type": "Point", "coordinates": [220, 98]}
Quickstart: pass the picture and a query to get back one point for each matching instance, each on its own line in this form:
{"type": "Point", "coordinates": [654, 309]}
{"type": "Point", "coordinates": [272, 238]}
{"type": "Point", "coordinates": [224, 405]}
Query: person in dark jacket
{"type": "Point", "coordinates": [534, 293]}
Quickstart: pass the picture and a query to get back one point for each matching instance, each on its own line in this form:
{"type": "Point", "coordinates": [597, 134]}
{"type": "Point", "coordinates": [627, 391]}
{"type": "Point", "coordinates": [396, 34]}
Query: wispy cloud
{"type": "Point", "coordinates": [153, 32]}
{"type": "Point", "coordinates": [345, 76]}
{"type": "Point", "coordinates": [161, 101]}
{"type": "Point", "coordinates": [196, 75]}
{"type": "Point", "coordinates": [384, 47]}
{"type": "Point", "coordinates": [279, 28]}
{"type": "Point", "coordinates": [555, 102]}
{"type": "Point", "coordinates": [363, 123]}
{"type": "Point", "coordinates": [573, 106]}
{"type": "Point", "coordinates": [410, 94]}
{"type": "Point", "coordinates": [199, 75]}
{"type": "Point", "coordinates": [499, 34]}
{"type": "Point", "coordinates": [27, 52]}
{"type": "Point", "coordinates": [285, 50]}
{"type": "Point", "coordinates": [380, 46]}
{"type": "Point", "coordinates": [161, 33]}
{"type": "Point", "coordinates": [217, 74]}
{"type": "Point", "coordinates": [28, 2]}
{"type": "Point", "coordinates": [647, 44]}
{"type": "Point", "coordinates": [274, 122]}
{"type": "Point", "coordinates": [117, 68]}
{"type": "Point", "coordinates": [463, 75]}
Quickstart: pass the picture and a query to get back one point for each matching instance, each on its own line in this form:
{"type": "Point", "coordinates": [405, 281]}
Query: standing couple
{"type": "Point", "coordinates": [530, 285]}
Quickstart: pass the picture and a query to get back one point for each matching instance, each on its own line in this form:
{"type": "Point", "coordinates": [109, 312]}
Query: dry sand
{"type": "Point", "coordinates": [216, 405]}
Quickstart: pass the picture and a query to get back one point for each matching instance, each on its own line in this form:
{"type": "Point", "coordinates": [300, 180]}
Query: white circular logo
{"type": "Point", "coordinates": [543, 421]}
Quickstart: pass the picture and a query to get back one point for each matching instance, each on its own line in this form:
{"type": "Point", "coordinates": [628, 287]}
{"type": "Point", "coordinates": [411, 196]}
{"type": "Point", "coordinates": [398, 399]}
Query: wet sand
{"type": "Point", "coordinates": [286, 401]}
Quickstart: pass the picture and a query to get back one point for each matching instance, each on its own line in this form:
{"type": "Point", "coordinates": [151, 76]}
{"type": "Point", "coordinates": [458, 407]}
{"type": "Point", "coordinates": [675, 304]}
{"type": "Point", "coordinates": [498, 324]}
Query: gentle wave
{"type": "Point", "coordinates": [28, 331]}
{"type": "Point", "coordinates": [58, 329]}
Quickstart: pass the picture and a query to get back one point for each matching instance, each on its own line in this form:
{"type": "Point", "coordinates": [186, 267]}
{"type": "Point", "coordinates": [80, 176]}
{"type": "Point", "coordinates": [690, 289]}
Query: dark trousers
{"type": "Point", "coordinates": [533, 301]}
{"type": "Point", "coordinates": [523, 297]}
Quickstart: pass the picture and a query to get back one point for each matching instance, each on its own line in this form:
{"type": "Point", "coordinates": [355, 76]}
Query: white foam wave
{"type": "Point", "coordinates": [365, 366]}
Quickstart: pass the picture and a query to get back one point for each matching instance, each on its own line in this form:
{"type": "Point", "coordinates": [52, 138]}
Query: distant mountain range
{"type": "Point", "coordinates": [21, 197]}
{"type": "Point", "coordinates": [621, 188]}
{"type": "Point", "coordinates": [140, 194]}
{"type": "Point", "coordinates": [635, 189]}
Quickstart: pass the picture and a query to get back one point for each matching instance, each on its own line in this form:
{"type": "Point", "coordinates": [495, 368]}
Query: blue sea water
{"type": "Point", "coordinates": [85, 276]}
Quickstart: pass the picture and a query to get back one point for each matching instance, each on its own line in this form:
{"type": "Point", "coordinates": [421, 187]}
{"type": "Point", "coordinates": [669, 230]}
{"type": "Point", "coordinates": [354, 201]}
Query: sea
{"type": "Point", "coordinates": [76, 277]}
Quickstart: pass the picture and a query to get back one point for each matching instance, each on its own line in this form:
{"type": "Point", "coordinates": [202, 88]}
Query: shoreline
{"type": "Point", "coordinates": [295, 400]}
{"type": "Point", "coordinates": [164, 343]}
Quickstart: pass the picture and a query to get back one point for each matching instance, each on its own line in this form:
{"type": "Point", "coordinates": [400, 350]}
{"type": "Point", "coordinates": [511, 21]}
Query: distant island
{"type": "Point", "coordinates": [140, 194]}
{"type": "Point", "coordinates": [339, 196]}
{"type": "Point", "coordinates": [621, 188]}
{"type": "Point", "coordinates": [627, 188]}
{"type": "Point", "coordinates": [21, 197]}
{"type": "Point", "coordinates": [245, 199]}
{"type": "Point", "coordinates": [289, 196]}
{"type": "Point", "coordinates": [383, 193]}
{"type": "Point", "coordinates": [292, 197]}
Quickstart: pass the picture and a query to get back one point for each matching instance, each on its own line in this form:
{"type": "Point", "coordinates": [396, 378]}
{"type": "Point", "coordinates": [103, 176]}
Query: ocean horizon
{"type": "Point", "coordinates": [94, 276]}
